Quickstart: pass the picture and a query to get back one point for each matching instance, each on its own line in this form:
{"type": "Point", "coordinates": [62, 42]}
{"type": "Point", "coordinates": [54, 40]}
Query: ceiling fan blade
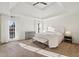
{"type": "Point", "coordinates": [43, 3]}
{"type": "Point", "coordinates": [35, 3]}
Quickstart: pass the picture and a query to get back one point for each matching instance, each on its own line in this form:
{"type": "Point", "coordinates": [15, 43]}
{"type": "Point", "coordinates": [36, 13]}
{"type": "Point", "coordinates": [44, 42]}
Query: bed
{"type": "Point", "coordinates": [51, 37]}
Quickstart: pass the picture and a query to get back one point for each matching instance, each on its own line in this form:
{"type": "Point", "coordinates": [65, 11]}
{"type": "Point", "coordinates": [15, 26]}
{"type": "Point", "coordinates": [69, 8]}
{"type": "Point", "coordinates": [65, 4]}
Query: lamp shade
{"type": "Point", "coordinates": [68, 33]}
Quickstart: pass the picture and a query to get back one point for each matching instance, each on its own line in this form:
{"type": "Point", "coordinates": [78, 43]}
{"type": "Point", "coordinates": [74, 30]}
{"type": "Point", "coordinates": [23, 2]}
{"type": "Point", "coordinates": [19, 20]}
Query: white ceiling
{"type": "Point", "coordinates": [40, 10]}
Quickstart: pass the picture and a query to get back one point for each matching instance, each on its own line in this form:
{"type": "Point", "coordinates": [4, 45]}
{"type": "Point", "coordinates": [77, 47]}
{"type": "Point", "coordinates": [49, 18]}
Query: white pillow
{"type": "Point", "coordinates": [51, 29]}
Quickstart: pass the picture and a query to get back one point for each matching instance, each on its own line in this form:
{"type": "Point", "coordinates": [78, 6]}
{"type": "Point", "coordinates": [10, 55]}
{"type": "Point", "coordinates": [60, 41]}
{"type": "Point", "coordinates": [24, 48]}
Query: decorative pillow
{"type": "Point", "coordinates": [51, 29]}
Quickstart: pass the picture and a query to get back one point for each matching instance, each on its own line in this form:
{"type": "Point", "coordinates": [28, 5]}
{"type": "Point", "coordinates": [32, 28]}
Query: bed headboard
{"type": "Point", "coordinates": [58, 28]}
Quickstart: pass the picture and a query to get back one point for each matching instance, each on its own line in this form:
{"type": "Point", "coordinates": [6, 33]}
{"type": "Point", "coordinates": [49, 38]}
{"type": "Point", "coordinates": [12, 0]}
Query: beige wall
{"type": "Point", "coordinates": [4, 28]}
{"type": "Point", "coordinates": [23, 24]}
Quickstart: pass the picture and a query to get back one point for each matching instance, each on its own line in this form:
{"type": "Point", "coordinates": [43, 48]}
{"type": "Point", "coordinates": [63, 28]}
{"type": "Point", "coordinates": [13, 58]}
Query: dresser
{"type": "Point", "coordinates": [29, 34]}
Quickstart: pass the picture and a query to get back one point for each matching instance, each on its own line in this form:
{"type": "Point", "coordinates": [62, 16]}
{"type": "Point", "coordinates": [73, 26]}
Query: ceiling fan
{"type": "Point", "coordinates": [39, 2]}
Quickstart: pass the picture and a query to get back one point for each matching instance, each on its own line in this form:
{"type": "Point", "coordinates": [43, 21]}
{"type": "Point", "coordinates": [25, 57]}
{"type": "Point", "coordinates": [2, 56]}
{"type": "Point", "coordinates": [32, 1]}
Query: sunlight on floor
{"type": "Point", "coordinates": [40, 51]}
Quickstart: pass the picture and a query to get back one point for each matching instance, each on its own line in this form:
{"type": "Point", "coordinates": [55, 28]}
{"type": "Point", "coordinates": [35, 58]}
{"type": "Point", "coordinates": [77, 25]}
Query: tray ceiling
{"type": "Point", "coordinates": [40, 11]}
{"type": "Point", "coordinates": [42, 6]}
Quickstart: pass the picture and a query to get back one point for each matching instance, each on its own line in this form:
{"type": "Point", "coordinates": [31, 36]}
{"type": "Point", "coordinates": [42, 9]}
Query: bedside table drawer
{"type": "Point", "coordinates": [68, 39]}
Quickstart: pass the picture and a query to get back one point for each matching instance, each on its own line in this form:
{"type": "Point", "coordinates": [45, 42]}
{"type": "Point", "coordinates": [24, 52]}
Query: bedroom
{"type": "Point", "coordinates": [38, 17]}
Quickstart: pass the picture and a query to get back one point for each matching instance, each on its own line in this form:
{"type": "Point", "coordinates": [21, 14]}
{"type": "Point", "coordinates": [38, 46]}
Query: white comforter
{"type": "Point", "coordinates": [53, 38]}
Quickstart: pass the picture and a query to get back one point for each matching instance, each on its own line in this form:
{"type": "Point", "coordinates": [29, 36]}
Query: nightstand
{"type": "Point", "coordinates": [68, 39]}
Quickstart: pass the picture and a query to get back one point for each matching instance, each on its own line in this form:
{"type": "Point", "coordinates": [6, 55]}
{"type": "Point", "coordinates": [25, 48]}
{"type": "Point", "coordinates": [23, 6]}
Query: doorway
{"type": "Point", "coordinates": [11, 24]}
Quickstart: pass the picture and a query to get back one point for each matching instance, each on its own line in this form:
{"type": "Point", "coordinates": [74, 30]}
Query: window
{"type": "Point", "coordinates": [11, 29]}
